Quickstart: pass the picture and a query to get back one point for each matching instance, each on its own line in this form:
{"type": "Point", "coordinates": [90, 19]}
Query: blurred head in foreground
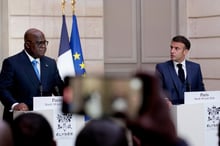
{"type": "Point", "coordinates": [31, 129]}
{"type": "Point", "coordinates": [5, 134]}
{"type": "Point", "coordinates": [219, 134]}
{"type": "Point", "coordinates": [153, 126]}
{"type": "Point", "coordinates": [102, 132]}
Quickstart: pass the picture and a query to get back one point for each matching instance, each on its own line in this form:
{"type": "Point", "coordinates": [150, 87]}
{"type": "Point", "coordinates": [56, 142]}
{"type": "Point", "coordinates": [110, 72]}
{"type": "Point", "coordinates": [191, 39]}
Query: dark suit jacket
{"type": "Point", "coordinates": [172, 84]}
{"type": "Point", "coordinates": [19, 83]}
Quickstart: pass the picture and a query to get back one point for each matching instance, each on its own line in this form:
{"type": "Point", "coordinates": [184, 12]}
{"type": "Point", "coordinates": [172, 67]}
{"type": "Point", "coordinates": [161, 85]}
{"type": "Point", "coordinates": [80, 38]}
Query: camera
{"type": "Point", "coordinates": [98, 96]}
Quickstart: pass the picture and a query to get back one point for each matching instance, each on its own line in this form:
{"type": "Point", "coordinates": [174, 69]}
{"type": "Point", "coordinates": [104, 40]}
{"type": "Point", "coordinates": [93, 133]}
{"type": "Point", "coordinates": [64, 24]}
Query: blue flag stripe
{"type": "Point", "coordinates": [64, 39]}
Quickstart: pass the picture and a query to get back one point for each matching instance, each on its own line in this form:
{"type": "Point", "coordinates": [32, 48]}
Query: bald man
{"type": "Point", "coordinates": [28, 74]}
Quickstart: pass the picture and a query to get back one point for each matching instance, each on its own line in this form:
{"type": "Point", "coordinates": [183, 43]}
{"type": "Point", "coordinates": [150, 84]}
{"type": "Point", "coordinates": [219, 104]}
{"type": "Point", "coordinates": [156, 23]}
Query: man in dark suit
{"type": "Point", "coordinates": [20, 81]}
{"type": "Point", "coordinates": [179, 75]}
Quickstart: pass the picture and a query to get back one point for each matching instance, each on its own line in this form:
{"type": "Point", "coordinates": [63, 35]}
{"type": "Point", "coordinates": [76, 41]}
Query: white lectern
{"type": "Point", "coordinates": [65, 127]}
{"type": "Point", "coordinates": [197, 120]}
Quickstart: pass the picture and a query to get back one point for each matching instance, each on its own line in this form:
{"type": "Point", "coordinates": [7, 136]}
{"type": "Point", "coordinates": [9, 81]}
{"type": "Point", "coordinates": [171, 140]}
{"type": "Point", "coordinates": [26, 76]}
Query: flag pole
{"type": "Point", "coordinates": [63, 3]}
{"type": "Point", "coordinates": [73, 2]}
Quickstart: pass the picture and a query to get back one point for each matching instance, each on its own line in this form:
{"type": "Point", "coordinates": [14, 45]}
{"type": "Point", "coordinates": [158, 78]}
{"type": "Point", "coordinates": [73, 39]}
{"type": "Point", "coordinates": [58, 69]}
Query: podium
{"type": "Point", "coordinates": [65, 126]}
{"type": "Point", "coordinates": [197, 120]}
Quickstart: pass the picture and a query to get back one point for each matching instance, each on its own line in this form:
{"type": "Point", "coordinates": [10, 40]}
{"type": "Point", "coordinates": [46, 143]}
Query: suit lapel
{"type": "Point", "coordinates": [29, 70]}
{"type": "Point", "coordinates": [44, 70]}
{"type": "Point", "coordinates": [189, 71]}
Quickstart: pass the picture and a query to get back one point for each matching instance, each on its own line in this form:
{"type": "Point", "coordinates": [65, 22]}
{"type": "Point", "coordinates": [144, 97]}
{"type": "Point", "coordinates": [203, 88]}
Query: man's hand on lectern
{"type": "Point", "coordinates": [21, 107]}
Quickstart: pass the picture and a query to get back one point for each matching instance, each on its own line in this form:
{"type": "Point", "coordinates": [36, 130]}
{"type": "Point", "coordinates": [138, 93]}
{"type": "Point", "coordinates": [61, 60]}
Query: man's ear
{"type": "Point", "coordinates": [27, 44]}
{"type": "Point", "coordinates": [186, 51]}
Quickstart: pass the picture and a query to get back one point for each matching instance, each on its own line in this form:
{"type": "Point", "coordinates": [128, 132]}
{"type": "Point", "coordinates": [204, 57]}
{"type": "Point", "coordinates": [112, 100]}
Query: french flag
{"type": "Point", "coordinates": [65, 62]}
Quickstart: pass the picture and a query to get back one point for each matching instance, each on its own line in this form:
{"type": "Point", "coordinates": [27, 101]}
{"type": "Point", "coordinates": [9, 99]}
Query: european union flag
{"type": "Point", "coordinates": [76, 49]}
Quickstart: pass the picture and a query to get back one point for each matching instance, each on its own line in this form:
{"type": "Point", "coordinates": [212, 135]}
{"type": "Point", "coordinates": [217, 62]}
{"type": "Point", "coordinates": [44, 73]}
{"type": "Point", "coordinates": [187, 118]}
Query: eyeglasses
{"type": "Point", "coordinates": [40, 43]}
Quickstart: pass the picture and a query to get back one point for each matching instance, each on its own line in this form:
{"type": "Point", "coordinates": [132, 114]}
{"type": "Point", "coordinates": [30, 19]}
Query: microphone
{"type": "Point", "coordinates": [57, 91]}
{"type": "Point", "coordinates": [188, 86]}
{"type": "Point", "coordinates": [41, 89]}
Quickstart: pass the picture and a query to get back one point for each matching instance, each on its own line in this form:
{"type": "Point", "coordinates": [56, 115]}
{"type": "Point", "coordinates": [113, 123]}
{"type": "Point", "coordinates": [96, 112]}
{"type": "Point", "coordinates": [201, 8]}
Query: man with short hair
{"type": "Point", "coordinates": [179, 75]}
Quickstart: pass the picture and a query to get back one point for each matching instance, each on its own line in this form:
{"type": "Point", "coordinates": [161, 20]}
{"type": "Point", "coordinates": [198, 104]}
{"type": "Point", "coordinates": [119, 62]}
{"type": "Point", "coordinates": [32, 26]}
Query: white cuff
{"type": "Point", "coordinates": [13, 105]}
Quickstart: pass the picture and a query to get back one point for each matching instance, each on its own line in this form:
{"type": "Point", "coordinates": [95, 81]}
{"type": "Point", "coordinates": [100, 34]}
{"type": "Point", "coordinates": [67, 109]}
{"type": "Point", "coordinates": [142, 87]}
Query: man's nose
{"type": "Point", "coordinates": [172, 50]}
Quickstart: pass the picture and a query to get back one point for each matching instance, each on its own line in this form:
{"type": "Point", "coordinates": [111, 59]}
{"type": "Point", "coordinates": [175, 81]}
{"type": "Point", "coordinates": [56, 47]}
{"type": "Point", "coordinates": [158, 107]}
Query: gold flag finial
{"type": "Point", "coordinates": [63, 6]}
{"type": "Point", "coordinates": [73, 6]}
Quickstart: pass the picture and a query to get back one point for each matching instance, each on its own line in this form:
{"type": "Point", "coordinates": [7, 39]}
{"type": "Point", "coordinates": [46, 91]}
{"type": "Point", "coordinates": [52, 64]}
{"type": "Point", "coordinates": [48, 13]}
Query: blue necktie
{"type": "Point", "coordinates": [34, 63]}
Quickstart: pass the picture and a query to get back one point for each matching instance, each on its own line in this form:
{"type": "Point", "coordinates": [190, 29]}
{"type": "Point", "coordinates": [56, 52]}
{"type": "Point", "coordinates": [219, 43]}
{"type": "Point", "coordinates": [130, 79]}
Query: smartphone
{"type": "Point", "coordinates": [102, 96]}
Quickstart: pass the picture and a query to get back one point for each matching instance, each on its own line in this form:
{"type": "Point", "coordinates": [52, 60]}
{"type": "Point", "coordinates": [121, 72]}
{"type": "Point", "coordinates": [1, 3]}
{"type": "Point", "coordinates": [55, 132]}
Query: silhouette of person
{"type": "Point", "coordinates": [32, 129]}
{"type": "Point", "coordinates": [5, 134]}
{"type": "Point", "coordinates": [153, 125]}
{"type": "Point", "coordinates": [102, 132]}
